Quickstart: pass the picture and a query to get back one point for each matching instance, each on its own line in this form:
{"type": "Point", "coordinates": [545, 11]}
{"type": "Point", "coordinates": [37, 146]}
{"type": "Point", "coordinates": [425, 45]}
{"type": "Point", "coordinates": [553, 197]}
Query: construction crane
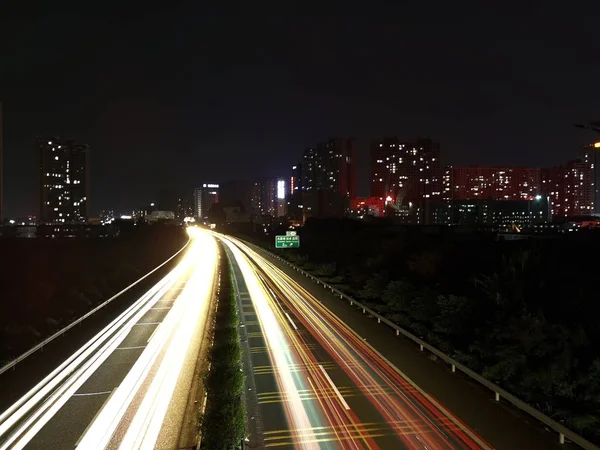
{"type": "Point", "coordinates": [594, 126]}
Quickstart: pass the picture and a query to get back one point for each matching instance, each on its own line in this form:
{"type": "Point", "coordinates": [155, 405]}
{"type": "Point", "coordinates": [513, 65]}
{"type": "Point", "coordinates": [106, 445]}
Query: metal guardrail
{"type": "Point", "coordinates": [18, 359]}
{"type": "Point", "coordinates": [563, 432]}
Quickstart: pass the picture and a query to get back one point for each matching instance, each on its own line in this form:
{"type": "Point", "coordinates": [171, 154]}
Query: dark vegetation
{"type": "Point", "coordinates": [224, 420]}
{"type": "Point", "coordinates": [46, 284]}
{"type": "Point", "coordinates": [524, 314]}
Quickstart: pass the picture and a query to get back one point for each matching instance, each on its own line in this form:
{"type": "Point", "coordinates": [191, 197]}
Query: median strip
{"type": "Point", "coordinates": [223, 423]}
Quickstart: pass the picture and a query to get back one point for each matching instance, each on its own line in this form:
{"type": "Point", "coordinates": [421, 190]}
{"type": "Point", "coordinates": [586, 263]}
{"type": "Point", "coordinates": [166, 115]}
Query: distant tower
{"type": "Point", "coordinates": [64, 181]}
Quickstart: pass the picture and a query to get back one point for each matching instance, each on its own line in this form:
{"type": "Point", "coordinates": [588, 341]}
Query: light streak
{"type": "Point", "coordinates": [419, 421]}
{"type": "Point", "coordinates": [157, 369]}
{"type": "Point", "coordinates": [281, 357]}
{"type": "Point", "coordinates": [291, 321]}
{"type": "Point", "coordinates": [160, 363]}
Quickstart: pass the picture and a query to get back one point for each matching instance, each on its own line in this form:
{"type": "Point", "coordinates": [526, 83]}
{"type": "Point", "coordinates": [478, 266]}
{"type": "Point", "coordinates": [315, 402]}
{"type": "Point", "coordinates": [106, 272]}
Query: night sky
{"type": "Point", "coordinates": [173, 97]}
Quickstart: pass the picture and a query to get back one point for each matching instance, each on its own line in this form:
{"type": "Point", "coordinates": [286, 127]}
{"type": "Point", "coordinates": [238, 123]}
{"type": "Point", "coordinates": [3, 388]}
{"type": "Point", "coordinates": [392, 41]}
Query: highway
{"type": "Point", "coordinates": [129, 386]}
{"type": "Point", "coordinates": [319, 385]}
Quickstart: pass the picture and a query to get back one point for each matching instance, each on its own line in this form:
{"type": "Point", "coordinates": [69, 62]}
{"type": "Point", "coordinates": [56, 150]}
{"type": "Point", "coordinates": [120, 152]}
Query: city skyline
{"type": "Point", "coordinates": [251, 104]}
{"type": "Point", "coordinates": [433, 156]}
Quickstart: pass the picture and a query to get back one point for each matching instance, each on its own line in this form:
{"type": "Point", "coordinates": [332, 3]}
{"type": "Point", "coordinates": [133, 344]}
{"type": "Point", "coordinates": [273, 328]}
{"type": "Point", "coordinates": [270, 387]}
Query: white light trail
{"type": "Point", "coordinates": [155, 373]}
{"type": "Point", "coordinates": [282, 359]}
{"type": "Point", "coordinates": [168, 345]}
{"type": "Point", "coordinates": [73, 370]}
{"type": "Point", "coordinates": [291, 321]}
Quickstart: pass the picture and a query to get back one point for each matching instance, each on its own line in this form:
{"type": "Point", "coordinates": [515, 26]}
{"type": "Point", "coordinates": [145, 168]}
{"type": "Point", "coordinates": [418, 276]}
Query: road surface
{"type": "Point", "coordinates": [318, 384]}
{"type": "Point", "coordinates": [129, 386]}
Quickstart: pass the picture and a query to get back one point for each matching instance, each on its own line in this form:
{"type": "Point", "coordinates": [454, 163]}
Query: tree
{"type": "Point", "coordinates": [375, 287]}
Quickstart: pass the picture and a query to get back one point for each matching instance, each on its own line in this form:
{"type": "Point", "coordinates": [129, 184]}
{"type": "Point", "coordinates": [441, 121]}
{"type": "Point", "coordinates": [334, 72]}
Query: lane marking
{"type": "Point", "coordinates": [160, 308]}
{"type": "Point", "coordinates": [139, 324]}
{"type": "Point", "coordinates": [86, 394]}
{"type": "Point", "coordinates": [153, 333]}
{"type": "Point", "coordinates": [94, 419]}
{"type": "Point", "coordinates": [291, 321]}
{"type": "Point", "coordinates": [335, 389]}
{"type": "Point", "coordinates": [131, 348]}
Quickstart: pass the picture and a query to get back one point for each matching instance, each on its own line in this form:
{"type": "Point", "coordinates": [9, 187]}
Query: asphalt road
{"type": "Point", "coordinates": [127, 387]}
{"type": "Point", "coordinates": [317, 384]}
{"type": "Point", "coordinates": [499, 424]}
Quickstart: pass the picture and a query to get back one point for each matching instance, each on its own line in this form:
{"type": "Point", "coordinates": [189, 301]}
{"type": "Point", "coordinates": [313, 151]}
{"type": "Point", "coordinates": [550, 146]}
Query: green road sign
{"type": "Point", "coordinates": [287, 241]}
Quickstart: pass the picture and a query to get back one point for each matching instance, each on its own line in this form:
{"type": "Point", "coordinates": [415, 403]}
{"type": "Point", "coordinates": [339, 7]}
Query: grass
{"type": "Point", "coordinates": [223, 425]}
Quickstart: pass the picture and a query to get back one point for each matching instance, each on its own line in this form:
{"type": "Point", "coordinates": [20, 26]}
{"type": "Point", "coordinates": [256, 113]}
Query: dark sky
{"type": "Point", "coordinates": [176, 96]}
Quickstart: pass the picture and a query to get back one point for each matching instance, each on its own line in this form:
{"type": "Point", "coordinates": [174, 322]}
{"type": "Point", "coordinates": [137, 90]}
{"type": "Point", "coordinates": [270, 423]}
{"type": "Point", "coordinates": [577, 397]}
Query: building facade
{"type": "Point", "coordinates": [328, 178]}
{"type": "Point", "coordinates": [408, 172]}
{"type": "Point", "coordinates": [502, 214]}
{"type": "Point", "coordinates": [204, 199]}
{"type": "Point", "coordinates": [269, 197]}
{"type": "Point", "coordinates": [498, 183]}
{"type": "Point", "coordinates": [570, 189]}
{"type": "Point", "coordinates": [64, 181]}
{"type": "Point", "coordinates": [592, 158]}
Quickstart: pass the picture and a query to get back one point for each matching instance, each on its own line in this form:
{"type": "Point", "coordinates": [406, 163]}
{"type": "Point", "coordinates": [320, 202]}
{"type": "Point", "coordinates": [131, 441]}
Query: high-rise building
{"type": "Point", "coordinates": [569, 188]}
{"type": "Point", "coordinates": [328, 178]}
{"type": "Point", "coordinates": [405, 173]}
{"type": "Point", "coordinates": [498, 183]}
{"type": "Point", "coordinates": [269, 197]}
{"type": "Point", "coordinates": [204, 198]}
{"type": "Point", "coordinates": [64, 181]}
{"type": "Point", "coordinates": [554, 182]}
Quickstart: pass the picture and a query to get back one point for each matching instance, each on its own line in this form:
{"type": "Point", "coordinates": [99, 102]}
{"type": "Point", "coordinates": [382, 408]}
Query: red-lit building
{"type": "Point", "coordinates": [569, 187]}
{"type": "Point", "coordinates": [498, 183]}
{"type": "Point", "coordinates": [406, 171]}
